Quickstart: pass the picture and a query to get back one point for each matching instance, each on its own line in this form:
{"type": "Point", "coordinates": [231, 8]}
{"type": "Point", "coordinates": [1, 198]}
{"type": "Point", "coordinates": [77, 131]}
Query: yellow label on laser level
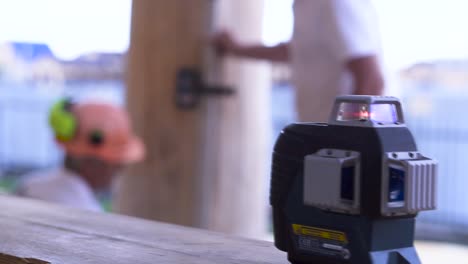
{"type": "Point", "coordinates": [320, 233]}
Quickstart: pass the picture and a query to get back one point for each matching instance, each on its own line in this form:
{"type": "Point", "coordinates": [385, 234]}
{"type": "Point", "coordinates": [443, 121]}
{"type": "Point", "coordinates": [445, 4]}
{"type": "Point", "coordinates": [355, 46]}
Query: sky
{"type": "Point", "coordinates": [411, 30]}
{"type": "Point", "coordinates": [70, 27]}
{"type": "Point", "coordinates": [423, 30]}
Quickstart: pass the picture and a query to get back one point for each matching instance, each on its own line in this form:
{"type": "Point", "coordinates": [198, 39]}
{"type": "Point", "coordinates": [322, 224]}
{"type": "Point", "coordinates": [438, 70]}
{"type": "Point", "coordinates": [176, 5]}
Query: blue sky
{"type": "Point", "coordinates": [70, 27]}
{"type": "Point", "coordinates": [412, 30]}
{"type": "Point", "coordinates": [423, 30]}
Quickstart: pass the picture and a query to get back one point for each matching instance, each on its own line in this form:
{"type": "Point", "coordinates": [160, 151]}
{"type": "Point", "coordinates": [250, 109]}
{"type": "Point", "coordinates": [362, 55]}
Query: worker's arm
{"type": "Point", "coordinates": [367, 76]}
{"type": "Point", "coordinates": [278, 53]}
{"type": "Point", "coordinates": [354, 39]}
{"type": "Point", "coordinates": [225, 44]}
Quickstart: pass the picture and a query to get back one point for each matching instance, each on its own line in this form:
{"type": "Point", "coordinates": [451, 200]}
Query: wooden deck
{"type": "Point", "coordinates": [34, 231]}
{"type": "Point", "coordinates": [55, 234]}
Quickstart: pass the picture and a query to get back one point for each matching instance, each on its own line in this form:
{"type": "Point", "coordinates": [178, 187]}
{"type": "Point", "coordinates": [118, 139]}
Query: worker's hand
{"type": "Point", "coordinates": [224, 43]}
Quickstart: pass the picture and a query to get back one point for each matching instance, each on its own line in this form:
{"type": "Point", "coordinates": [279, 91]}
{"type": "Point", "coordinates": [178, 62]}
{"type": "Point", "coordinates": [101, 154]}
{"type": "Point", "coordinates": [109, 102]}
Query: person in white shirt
{"type": "Point", "coordinates": [98, 143]}
{"type": "Point", "coordinates": [334, 50]}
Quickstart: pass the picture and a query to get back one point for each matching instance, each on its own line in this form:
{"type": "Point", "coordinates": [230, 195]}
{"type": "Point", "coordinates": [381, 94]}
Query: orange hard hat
{"type": "Point", "coordinates": [103, 131]}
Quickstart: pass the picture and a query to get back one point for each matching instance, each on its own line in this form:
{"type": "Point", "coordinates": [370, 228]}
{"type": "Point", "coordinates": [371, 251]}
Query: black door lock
{"type": "Point", "coordinates": [190, 88]}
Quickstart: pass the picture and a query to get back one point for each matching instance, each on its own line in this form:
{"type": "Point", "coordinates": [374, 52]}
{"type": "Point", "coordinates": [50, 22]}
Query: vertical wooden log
{"type": "Point", "coordinates": [208, 167]}
{"type": "Point", "coordinates": [238, 131]}
{"type": "Point", "coordinates": [165, 35]}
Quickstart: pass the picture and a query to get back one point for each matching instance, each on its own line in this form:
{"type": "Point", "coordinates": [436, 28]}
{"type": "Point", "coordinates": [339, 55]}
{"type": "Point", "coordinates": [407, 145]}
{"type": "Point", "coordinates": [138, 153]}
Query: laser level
{"type": "Point", "coordinates": [348, 191]}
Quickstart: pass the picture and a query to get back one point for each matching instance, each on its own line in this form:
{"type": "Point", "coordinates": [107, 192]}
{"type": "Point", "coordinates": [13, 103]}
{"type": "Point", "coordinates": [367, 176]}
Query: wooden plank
{"type": "Point", "coordinates": [8, 259]}
{"type": "Point", "coordinates": [439, 252]}
{"type": "Point", "coordinates": [62, 235]}
{"type": "Point", "coordinates": [36, 231]}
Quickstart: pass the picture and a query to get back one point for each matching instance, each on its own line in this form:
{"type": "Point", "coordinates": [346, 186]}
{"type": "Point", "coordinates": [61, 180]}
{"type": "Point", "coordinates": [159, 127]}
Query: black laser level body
{"type": "Point", "coordinates": [348, 191]}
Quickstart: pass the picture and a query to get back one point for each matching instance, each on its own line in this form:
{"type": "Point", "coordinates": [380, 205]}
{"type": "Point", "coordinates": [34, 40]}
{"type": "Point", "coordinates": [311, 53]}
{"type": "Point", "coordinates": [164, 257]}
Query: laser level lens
{"type": "Point", "coordinates": [347, 183]}
{"type": "Point", "coordinates": [353, 112]}
{"type": "Point", "coordinates": [382, 113]}
{"type": "Point", "coordinates": [396, 186]}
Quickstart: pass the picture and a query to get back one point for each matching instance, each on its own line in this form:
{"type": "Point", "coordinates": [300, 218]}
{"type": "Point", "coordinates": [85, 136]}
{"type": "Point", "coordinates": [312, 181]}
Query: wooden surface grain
{"type": "Point", "coordinates": [33, 229]}
{"type": "Point", "coordinates": [9, 259]}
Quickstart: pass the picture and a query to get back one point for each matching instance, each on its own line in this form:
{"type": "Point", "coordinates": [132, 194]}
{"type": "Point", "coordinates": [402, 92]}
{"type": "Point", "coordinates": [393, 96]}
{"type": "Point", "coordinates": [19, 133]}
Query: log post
{"type": "Point", "coordinates": [237, 131]}
{"type": "Point", "coordinates": [165, 35]}
{"type": "Point", "coordinates": [205, 167]}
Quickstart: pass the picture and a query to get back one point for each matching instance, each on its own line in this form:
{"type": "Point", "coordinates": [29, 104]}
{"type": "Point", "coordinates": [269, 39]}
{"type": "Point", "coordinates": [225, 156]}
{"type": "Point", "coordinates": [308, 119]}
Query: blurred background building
{"type": "Point", "coordinates": [32, 77]}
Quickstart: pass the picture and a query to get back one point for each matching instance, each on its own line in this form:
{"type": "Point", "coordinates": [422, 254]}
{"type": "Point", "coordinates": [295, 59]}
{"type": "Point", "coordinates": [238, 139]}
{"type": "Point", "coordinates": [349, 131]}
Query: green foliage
{"type": "Point", "coordinates": [7, 185]}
